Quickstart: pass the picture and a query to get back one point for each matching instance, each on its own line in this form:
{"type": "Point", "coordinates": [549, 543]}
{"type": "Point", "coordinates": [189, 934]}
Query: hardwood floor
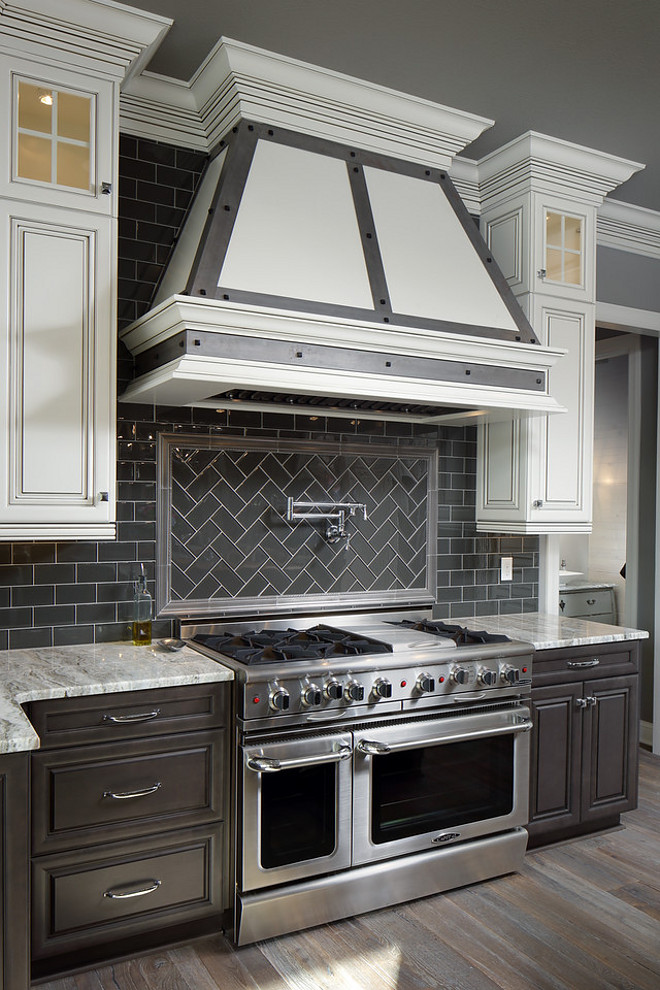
{"type": "Point", "coordinates": [584, 915]}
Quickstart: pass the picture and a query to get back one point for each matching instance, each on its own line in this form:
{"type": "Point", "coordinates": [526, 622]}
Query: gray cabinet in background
{"type": "Point", "coordinates": [595, 603]}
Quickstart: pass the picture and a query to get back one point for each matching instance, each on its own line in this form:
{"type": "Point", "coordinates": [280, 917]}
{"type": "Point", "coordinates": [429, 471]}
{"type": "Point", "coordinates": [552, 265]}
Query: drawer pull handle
{"type": "Point", "coordinates": [591, 601]}
{"type": "Point", "coordinates": [138, 717]}
{"type": "Point", "coordinates": [580, 664]}
{"type": "Point", "coordinates": [125, 795]}
{"type": "Point", "coordinates": [119, 895]}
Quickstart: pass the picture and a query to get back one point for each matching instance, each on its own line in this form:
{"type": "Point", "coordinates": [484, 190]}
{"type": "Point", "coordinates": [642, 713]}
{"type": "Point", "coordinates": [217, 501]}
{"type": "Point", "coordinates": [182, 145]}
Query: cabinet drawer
{"type": "Point", "coordinates": [586, 603]}
{"type": "Point", "coordinates": [125, 715]}
{"type": "Point", "coordinates": [100, 793]}
{"type": "Point", "coordinates": [117, 891]}
{"type": "Point", "coordinates": [585, 662]}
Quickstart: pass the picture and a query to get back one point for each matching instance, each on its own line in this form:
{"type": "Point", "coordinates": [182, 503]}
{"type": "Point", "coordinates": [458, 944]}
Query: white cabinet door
{"type": "Point", "coordinates": [535, 475]}
{"type": "Point", "coordinates": [60, 133]}
{"type": "Point", "coordinates": [57, 454]}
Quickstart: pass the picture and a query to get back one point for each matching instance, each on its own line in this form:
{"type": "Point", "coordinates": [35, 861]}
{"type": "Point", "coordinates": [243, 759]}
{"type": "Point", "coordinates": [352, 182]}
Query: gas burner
{"type": "Point", "coordinates": [286, 645]}
{"type": "Point", "coordinates": [461, 635]}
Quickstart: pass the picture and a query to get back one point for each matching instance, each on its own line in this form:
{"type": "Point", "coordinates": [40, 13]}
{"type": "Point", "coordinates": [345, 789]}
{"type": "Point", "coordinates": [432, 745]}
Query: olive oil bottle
{"type": "Point", "coordinates": [141, 611]}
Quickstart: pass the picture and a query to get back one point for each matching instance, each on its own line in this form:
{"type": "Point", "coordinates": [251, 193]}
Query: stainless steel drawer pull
{"type": "Point", "coordinates": [125, 795]}
{"type": "Point", "coordinates": [580, 664]}
{"type": "Point", "coordinates": [591, 601]}
{"type": "Point", "coordinates": [119, 895]}
{"type": "Point", "coordinates": [139, 717]}
{"type": "Point", "coordinates": [266, 764]}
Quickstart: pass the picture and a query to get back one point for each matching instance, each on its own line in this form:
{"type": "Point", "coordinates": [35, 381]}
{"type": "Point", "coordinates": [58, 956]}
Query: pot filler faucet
{"type": "Point", "coordinates": [335, 512]}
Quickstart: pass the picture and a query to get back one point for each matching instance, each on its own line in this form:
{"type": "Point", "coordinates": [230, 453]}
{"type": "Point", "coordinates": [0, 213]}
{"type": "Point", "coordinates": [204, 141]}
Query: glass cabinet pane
{"type": "Point", "coordinates": [573, 233]}
{"type": "Point", "coordinates": [553, 229]}
{"type": "Point", "coordinates": [73, 166]}
{"type": "Point", "coordinates": [35, 108]}
{"type": "Point", "coordinates": [73, 117]}
{"type": "Point", "coordinates": [563, 248]}
{"type": "Point", "coordinates": [53, 134]}
{"type": "Point", "coordinates": [34, 158]}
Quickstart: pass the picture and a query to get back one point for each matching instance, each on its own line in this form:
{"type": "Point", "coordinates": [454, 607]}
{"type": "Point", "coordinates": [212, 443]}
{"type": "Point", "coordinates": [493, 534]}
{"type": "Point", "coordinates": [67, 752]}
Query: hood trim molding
{"type": "Point", "coordinates": [197, 378]}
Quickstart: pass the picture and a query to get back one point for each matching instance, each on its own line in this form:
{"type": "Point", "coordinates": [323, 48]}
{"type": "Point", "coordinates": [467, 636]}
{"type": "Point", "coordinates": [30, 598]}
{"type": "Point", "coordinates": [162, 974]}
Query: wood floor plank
{"type": "Point", "coordinates": [581, 915]}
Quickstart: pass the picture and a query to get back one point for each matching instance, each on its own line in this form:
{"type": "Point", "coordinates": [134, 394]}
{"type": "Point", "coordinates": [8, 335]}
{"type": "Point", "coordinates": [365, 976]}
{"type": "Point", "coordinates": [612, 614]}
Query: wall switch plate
{"type": "Point", "coordinates": [506, 569]}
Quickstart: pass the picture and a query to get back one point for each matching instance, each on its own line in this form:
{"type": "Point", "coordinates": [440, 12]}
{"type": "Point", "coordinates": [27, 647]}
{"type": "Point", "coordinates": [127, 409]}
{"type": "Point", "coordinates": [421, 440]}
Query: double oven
{"type": "Point", "coordinates": [378, 758]}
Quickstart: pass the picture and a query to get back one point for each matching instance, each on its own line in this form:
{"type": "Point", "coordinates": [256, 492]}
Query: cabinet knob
{"type": "Point", "coordinates": [106, 188]}
{"type": "Point", "coordinates": [104, 496]}
{"type": "Point", "coordinates": [537, 503]}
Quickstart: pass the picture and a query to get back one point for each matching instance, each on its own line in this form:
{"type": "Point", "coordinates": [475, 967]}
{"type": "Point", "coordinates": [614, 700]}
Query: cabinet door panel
{"type": "Point", "coordinates": [555, 762]}
{"type": "Point", "coordinates": [609, 774]}
{"type": "Point", "coordinates": [57, 456]}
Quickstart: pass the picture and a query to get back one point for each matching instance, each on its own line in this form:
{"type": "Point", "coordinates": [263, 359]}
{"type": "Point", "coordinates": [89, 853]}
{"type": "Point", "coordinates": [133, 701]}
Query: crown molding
{"type": "Point", "coordinates": [112, 39]}
{"type": "Point", "coordinates": [629, 228]}
{"type": "Point", "coordinates": [464, 173]}
{"type": "Point", "coordinates": [537, 162]}
{"type": "Point", "coordinates": [238, 81]}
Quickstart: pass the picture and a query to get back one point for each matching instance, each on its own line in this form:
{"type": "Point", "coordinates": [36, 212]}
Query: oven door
{"type": "Point", "coordinates": [296, 809]}
{"type": "Point", "coordinates": [427, 783]}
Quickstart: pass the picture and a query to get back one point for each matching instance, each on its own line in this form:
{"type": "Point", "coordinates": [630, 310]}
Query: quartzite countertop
{"type": "Point", "coordinates": [73, 671]}
{"type": "Point", "coordinates": [553, 632]}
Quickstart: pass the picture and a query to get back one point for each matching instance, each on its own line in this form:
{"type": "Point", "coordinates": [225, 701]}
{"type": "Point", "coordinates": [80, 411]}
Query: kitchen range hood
{"type": "Point", "coordinates": [328, 263]}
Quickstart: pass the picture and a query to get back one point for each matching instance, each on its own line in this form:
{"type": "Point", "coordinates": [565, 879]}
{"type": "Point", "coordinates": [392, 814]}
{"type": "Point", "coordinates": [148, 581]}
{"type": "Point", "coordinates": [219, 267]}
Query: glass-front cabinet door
{"type": "Point", "coordinates": [54, 135]}
{"type": "Point", "coordinates": [60, 136]}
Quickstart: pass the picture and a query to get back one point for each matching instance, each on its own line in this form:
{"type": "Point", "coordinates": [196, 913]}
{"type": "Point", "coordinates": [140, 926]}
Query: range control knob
{"type": "Point", "coordinates": [310, 695]}
{"type": "Point", "coordinates": [279, 699]}
{"type": "Point", "coordinates": [425, 684]}
{"type": "Point", "coordinates": [510, 675]}
{"type": "Point", "coordinates": [332, 689]}
{"type": "Point", "coordinates": [460, 675]}
{"type": "Point", "coordinates": [486, 676]}
{"type": "Point", "coordinates": [382, 687]}
{"type": "Point", "coordinates": [354, 691]}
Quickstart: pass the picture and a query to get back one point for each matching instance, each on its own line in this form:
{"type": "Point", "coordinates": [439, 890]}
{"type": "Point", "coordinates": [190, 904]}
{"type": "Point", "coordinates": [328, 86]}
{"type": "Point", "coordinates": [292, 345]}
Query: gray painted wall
{"type": "Point", "coordinates": [628, 279]}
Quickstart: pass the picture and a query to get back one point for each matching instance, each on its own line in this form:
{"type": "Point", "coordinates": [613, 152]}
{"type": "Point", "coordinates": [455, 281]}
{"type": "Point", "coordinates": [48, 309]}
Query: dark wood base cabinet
{"type": "Point", "coordinates": [585, 739]}
{"type": "Point", "coordinates": [14, 875]}
{"type": "Point", "coordinates": [129, 798]}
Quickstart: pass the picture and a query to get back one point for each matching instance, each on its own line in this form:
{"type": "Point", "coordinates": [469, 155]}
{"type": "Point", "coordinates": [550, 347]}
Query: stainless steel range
{"type": "Point", "coordinates": [379, 758]}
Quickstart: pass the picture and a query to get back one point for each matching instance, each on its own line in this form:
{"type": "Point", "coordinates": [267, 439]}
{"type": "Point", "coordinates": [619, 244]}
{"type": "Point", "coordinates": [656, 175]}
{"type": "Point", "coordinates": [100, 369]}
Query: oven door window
{"type": "Point", "coordinates": [298, 819]}
{"type": "Point", "coordinates": [430, 788]}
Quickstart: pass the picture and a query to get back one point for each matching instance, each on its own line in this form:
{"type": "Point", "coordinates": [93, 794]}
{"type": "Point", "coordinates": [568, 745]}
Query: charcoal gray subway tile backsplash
{"type": "Point", "coordinates": [96, 578]}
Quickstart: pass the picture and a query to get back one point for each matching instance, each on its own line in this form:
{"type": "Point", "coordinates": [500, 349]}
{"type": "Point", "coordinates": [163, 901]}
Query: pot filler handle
{"type": "Point", "coordinates": [371, 747]}
{"type": "Point", "coordinates": [266, 764]}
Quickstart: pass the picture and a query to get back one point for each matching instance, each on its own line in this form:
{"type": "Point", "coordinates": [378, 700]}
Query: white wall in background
{"type": "Point", "coordinates": [607, 543]}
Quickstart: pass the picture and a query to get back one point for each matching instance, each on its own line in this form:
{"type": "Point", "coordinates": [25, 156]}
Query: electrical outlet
{"type": "Point", "coordinates": [506, 569]}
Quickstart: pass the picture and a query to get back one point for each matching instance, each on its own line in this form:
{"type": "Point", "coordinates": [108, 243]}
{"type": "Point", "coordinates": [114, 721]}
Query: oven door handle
{"type": "Point", "coordinates": [266, 764]}
{"type": "Point", "coordinates": [371, 747]}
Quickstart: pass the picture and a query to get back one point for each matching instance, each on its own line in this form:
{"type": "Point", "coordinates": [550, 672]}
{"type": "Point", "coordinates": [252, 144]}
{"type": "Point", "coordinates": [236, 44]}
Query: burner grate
{"type": "Point", "coordinates": [461, 635]}
{"type": "Point", "coordinates": [284, 645]}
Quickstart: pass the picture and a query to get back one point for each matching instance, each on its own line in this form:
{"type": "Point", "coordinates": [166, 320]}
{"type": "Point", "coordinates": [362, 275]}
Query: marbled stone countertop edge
{"type": "Point", "coordinates": [552, 632]}
{"type": "Point", "coordinates": [89, 669]}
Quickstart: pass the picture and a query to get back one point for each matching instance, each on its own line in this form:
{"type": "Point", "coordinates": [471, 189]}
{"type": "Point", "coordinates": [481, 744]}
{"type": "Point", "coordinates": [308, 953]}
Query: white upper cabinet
{"type": "Point", "coordinates": [61, 141]}
{"type": "Point", "coordinates": [60, 69]}
{"type": "Point", "coordinates": [539, 219]}
{"type": "Point", "coordinates": [57, 455]}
